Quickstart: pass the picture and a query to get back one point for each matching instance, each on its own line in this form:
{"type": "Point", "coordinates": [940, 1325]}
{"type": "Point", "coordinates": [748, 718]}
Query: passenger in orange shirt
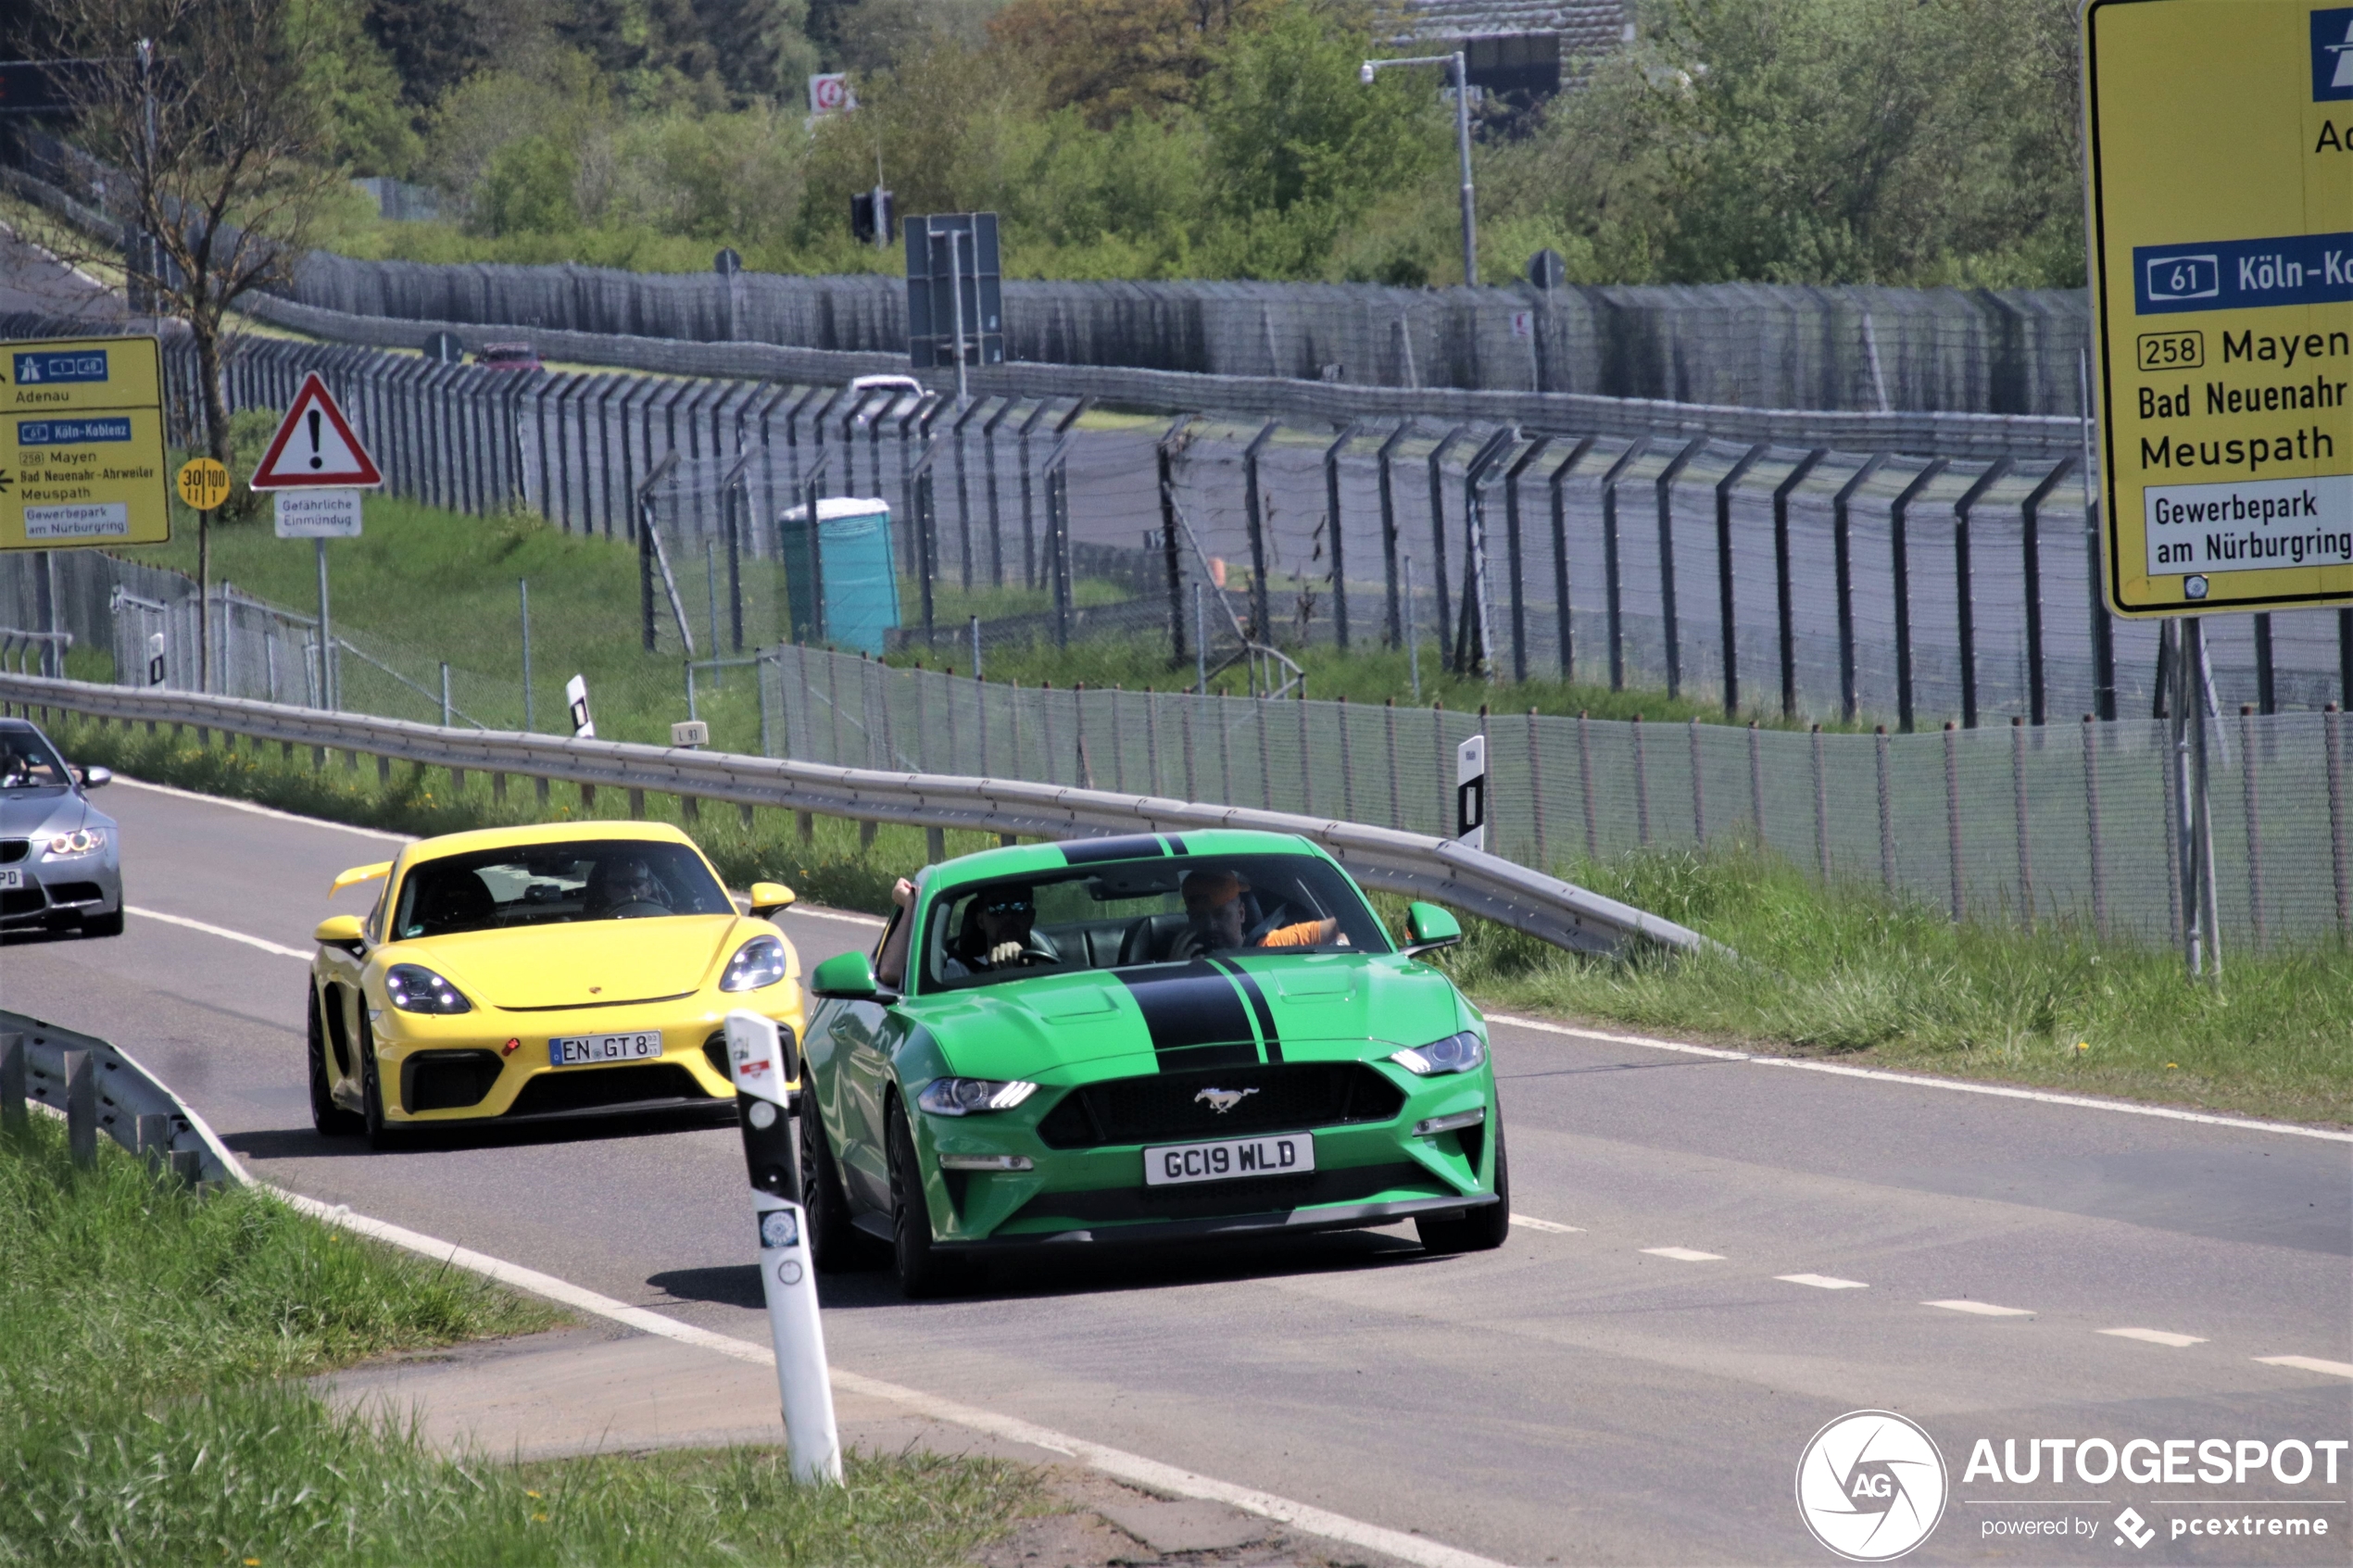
{"type": "Point", "coordinates": [1222, 913]}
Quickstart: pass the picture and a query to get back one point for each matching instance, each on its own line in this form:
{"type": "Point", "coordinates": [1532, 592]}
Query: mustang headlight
{"type": "Point", "coordinates": [414, 989]}
{"type": "Point", "coordinates": [757, 963]}
{"type": "Point", "coordinates": [82, 841]}
{"type": "Point", "coordinates": [965, 1097]}
{"type": "Point", "coordinates": [1455, 1053]}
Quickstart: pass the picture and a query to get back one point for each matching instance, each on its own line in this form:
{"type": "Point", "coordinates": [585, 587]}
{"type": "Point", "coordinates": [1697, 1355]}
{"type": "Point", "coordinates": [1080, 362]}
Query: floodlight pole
{"type": "Point", "coordinates": [1459, 69]}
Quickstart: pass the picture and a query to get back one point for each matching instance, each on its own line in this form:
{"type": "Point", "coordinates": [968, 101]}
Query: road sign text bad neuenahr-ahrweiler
{"type": "Point", "coordinates": [82, 444]}
{"type": "Point", "coordinates": [2221, 148]}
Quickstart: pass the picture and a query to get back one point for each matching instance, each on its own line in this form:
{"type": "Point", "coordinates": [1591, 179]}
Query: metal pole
{"type": "Point", "coordinates": [1412, 629]}
{"type": "Point", "coordinates": [956, 288]}
{"type": "Point", "coordinates": [326, 633]}
{"type": "Point", "coordinates": [1201, 639]}
{"type": "Point", "coordinates": [1462, 145]}
{"type": "Point", "coordinates": [523, 586]}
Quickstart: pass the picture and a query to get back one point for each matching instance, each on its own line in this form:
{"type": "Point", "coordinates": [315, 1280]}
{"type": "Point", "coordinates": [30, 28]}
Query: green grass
{"type": "Point", "coordinates": [148, 1337]}
{"type": "Point", "coordinates": [1850, 975]}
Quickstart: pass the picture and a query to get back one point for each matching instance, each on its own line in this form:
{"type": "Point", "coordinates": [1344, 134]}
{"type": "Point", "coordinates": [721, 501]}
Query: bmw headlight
{"type": "Point", "coordinates": [82, 841]}
{"type": "Point", "coordinates": [414, 989]}
{"type": "Point", "coordinates": [1455, 1053]}
{"type": "Point", "coordinates": [965, 1097]}
{"type": "Point", "coordinates": [758, 962]}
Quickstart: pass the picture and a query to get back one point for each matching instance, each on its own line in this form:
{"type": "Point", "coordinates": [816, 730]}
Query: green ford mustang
{"type": "Point", "coordinates": [1136, 1039]}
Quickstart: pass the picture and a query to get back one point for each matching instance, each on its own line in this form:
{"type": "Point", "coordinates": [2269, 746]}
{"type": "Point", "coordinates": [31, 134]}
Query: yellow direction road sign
{"type": "Point", "coordinates": [2220, 151]}
{"type": "Point", "coordinates": [204, 482]}
{"type": "Point", "coordinates": [82, 444]}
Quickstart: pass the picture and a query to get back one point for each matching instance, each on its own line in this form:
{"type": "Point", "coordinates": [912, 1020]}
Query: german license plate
{"type": "Point", "coordinates": [11, 877]}
{"type": "Point", "coordinates": [1284, 1154]}
{"type": "Point", "coordinates": [583, 1050]}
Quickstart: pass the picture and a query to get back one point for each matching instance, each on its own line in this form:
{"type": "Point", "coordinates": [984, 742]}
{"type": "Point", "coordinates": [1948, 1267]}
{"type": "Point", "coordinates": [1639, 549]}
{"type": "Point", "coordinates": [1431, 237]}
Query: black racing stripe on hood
{"type": "Point", "coordinates": [1135, 847]}
{"type": "Point", "coordinates": [1190, 1008]}
{"type": "Point", "coordinates": [1176, 844]}
{"type": "Point", "coordinates": [1264, 1014]}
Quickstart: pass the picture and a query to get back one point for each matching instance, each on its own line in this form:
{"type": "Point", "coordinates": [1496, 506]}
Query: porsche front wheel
{"type": "Point", "coordinates": [381, 1134]}
{"type": "Point", "coordinates": [332, 1119]}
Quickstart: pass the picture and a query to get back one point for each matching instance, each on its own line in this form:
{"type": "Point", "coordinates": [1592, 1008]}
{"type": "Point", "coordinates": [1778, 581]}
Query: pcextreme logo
{"type": "Point", "coordinates": [1872, 1486]}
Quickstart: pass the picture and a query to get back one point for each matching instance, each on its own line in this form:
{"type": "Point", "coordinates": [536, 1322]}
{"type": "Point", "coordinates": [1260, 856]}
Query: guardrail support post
{"type": "Point", "coordinates": [82, 1108]}
{"type": "Point", "coordinates": [12, 1112]}
{"type": "Point", "coordinates": [153, 1133]}
{"type": "Point", "coordinates": [934, 845]}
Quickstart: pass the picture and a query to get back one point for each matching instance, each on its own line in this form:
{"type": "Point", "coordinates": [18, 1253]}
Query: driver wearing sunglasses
{"type": "Point", "coordinates": [996, 933]}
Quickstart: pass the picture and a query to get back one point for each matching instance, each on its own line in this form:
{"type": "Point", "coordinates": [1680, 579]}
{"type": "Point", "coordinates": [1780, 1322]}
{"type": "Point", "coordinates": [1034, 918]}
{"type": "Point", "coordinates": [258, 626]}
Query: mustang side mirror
{"type": "Point", "coordinates": [848, 977]}
{"type": "Point", "coordinates": [338, 930]}
{"type": "Point", "coordinates": [1430, 928]}
{"type": "Point", "coordinates": [770, 898]}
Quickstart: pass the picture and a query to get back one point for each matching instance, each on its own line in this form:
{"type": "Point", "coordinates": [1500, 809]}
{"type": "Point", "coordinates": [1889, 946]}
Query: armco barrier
{"type": "Point", "coordinates": [129, 1103]}
{"type": "Point", "coordinates": [1544, 907]}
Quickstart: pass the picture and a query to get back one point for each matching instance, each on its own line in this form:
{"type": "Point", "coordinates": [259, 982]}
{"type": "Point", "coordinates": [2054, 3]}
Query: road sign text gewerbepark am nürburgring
{"type": "Point", "coordinates": [82, 445]}
{"type": "Point", "coordinates": [2219, 140]}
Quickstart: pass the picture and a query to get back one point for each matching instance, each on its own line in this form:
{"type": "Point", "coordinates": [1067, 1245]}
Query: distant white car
{"type": "Point", "coordinates": [866, 395]}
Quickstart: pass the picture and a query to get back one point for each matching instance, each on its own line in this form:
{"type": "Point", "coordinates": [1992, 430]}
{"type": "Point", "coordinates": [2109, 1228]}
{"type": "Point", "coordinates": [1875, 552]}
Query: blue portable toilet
{"type": "Point", "coordinates": [839, 578]}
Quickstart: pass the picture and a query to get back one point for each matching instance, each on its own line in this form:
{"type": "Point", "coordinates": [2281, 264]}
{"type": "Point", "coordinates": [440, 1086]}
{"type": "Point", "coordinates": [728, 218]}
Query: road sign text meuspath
{"type": "Point", "coordinates": [82, 444]}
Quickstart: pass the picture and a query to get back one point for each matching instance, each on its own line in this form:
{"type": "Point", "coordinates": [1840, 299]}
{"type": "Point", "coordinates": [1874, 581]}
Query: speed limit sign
{"type": "Point", "coordinates": [204, 483]}
{"type": "Point", "coordinates": [829, 93]}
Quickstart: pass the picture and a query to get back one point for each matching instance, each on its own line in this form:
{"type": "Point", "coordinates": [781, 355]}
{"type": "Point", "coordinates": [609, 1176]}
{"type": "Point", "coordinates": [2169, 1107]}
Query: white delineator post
{"type": "Point", "coordinates": [1470, 793]}
{"type": "Point", "coordinates": [765, 1063]}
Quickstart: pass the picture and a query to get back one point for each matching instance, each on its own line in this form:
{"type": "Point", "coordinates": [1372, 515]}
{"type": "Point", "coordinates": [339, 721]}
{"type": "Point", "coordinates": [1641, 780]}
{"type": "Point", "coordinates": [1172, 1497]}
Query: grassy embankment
{"type": "Point", "coordinates": [149, 1343]}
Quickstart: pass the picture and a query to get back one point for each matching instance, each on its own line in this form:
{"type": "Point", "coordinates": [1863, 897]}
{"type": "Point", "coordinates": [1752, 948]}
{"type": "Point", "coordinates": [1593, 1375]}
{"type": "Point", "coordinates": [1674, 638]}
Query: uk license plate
{"type": "Point", "coordinates": [10, 876]}
{"type": "Point", "coordinates": [581, 1050]}
{"type": "Point", "coordinates": [1283, 1154]}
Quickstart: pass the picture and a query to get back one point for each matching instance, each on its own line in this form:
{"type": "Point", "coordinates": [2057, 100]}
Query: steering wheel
{"type": "Point", "coordinates": [637, 908]}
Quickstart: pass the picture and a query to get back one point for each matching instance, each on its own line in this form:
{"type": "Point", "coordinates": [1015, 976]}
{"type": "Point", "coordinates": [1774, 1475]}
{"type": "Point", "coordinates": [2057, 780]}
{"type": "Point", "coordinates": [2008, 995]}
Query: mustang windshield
{"type": "Point", "coordinates": [1144, 912]}
{"type": "Point", "coordinates": [551, 883]}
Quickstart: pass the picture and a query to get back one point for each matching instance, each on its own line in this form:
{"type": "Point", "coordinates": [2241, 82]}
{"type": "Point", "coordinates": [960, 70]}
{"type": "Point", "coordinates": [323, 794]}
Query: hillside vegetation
{"type": "Point", "coordinates": [1796, 140]}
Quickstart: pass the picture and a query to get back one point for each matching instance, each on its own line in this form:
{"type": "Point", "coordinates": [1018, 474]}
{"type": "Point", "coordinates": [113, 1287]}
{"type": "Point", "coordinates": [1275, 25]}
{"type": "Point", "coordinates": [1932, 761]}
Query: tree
{"type": "Point", "coordinates": [201, 103]}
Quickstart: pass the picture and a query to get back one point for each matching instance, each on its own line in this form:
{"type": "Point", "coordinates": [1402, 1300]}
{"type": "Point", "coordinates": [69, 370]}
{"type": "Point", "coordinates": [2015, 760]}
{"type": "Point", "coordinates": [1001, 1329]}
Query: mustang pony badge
{"type": "Point", "coordinates": [1223, 1101]}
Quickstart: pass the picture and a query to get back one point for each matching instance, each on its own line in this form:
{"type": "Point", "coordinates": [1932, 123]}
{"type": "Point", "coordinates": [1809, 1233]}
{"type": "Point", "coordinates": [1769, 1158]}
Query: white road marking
{"type": "Point", "coordinates": [1982, 1309]}
{"type": "Point", "coordinates": [2309, 1363]}
{"type": "Point", "coordinates": [2154, 1336]}
{"type": "Point", "coordinates": [1684, 1254]}
{"type": "Point", "coordinates": [845, 915]}
{"type": "Point", "coordinates": [1147, 1472]}
{"type": "Point", "coordinates": [2085, 1102]}
{"type": "Point", "coordinates": [1531, 1223]}
{"type": "Point", "coordinates": [221, 931]}
{"type": "Point", "coordinates": [1824, 1282]}
{"type": "Point", "coordinates": [235, 805]}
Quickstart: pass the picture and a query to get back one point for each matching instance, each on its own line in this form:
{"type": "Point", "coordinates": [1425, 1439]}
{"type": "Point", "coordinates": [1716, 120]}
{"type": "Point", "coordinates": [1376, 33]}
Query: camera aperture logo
{"type": "Point", "coordinates": [1872, 1486]}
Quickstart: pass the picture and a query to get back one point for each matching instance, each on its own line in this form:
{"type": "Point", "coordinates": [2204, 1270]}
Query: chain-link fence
{"type": "Point", "coordinates": [2017, 822]}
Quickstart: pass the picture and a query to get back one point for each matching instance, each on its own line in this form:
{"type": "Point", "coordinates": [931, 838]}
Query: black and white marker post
{"type": "Point", "coordinates": [1470, 793]}
{"type": "Point", "coordinates": [764, 1060]}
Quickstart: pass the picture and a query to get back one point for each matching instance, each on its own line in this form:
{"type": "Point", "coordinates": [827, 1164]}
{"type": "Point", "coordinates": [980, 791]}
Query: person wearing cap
{"type": "Point", "coordinates": [996, 933]}
{"type": "Point", "coordinates": [1222, 913]}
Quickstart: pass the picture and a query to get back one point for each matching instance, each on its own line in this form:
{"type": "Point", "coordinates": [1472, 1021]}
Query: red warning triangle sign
{"type": "Point", "coordinates": [315, 446]}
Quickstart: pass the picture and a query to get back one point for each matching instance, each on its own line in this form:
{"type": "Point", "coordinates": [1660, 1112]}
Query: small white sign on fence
{"type": "Point", "coordinates": [317, 514]}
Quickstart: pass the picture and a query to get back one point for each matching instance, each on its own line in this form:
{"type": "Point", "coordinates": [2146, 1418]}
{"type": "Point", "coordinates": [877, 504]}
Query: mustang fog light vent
{"type": "Point", "coordinates": [986, 1162]}
{"type": "Point", "coordinates": [1454, 1123]}
{"type": "Point", "coordinates": [1455, 1053]}
{"type": "Point", "coordinates": [758, 964]}
{"type": "Point", "coordinates": [414, 989]}
{"type": "Point", "coordinates": [966, 1097]}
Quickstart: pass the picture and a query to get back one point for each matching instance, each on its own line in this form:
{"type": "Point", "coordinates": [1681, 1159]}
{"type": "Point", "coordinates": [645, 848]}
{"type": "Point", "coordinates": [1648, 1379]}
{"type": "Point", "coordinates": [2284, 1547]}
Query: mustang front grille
{"type": "Point", "coordinates": [1171, 1107]}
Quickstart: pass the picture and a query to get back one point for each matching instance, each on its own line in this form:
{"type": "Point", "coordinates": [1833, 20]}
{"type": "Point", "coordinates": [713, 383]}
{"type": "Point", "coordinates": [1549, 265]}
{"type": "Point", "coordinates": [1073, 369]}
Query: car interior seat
{"type": "Point", "coordinates": [1151, 937]}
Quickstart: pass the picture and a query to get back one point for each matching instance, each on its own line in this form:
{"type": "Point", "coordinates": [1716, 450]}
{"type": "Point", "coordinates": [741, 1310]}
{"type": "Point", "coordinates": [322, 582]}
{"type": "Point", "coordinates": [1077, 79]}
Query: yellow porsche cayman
{"type": "Point", "coordinates": [521, 973]}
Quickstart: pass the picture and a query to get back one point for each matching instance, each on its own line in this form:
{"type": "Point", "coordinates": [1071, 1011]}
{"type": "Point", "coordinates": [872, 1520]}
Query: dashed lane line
{"type": "Point", "coordinates": [2154, 1336]}
{"type": "Point", "coordinates": [1147, 1472]}
{"type": "Point", "coordinates": [1529, 1222]}
{"type": "Point", "coordinates": [2309, 1363]}
{"type": "Point", "coordinates": [1954, 1086]}
{"type": "Point", "coordinates": [1982, 1309]}
{"type": "Point", "coordinates": [1684, 1254]}
{"type": "Point", "coordinates": [221, 931]}
{"type": "Point", "coordinates": [1823, 1282]}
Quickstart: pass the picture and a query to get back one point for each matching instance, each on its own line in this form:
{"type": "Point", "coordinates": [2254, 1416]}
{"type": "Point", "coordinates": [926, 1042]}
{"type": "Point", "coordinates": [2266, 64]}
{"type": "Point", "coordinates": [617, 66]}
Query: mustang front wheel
{"type": "Point", "coordinates": [835, 1245]}
{"type": "Point", "coordinates": [923, 1272]}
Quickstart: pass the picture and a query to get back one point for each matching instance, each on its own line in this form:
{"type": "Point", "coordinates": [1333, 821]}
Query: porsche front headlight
{"type": "Point", "coordinates": [965, 1096]}
{"type": "Point", "coordinates": [1455, 1053]}
{"type": "Point", "coordinates": [758, 964]}
{"type": "Point", "coordinates": [412, 987]}
{"type": "Point", "coordinates": [67, 846]}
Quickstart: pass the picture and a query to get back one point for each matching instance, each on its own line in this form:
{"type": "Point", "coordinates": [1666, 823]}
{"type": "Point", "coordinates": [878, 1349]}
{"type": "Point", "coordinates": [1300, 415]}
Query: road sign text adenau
{"type": "Point", "coordinates": [82, 461]}
{"type": "Point", "coordinates": [2220, 146]}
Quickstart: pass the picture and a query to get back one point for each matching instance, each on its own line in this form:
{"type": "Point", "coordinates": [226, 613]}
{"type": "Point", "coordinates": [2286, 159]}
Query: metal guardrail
{"type": "Point", "coordinates": [1416, 864]}
{"type": "Point", "coordinates": [96, 1087]}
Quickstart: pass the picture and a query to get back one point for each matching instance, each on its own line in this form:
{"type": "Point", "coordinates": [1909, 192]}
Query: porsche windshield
{"type": "Point", "coordinates": [1141, 912]}
{"type": "Point", "coordinates": [550, 884]}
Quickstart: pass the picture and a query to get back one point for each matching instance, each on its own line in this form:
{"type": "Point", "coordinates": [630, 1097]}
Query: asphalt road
{"type": "Point", "coordinates": [1575, 1396]}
